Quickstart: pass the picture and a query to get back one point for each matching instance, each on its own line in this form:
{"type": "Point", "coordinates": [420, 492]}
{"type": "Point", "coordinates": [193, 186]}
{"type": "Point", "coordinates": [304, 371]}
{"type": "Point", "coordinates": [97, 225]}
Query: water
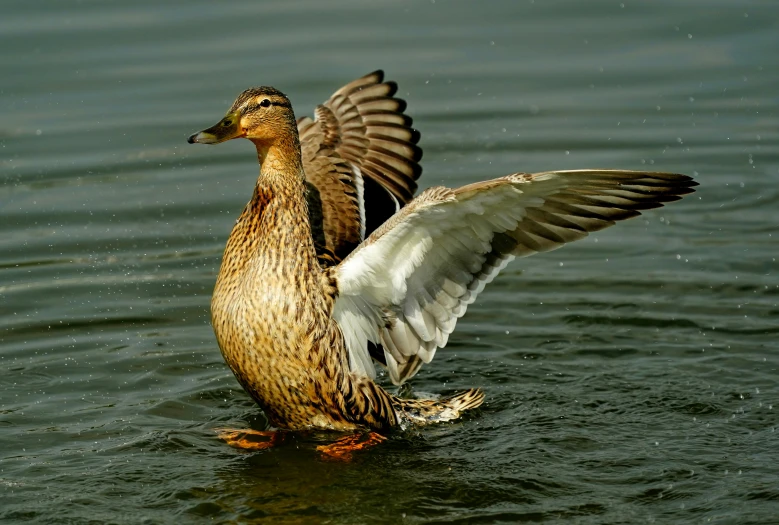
{"type": "Point", "coordinates": [631, 377]}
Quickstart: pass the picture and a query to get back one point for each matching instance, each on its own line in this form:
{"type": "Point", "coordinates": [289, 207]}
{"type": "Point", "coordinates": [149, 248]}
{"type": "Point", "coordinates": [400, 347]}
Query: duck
{"type": "Point", "coordinates": [337, 267]}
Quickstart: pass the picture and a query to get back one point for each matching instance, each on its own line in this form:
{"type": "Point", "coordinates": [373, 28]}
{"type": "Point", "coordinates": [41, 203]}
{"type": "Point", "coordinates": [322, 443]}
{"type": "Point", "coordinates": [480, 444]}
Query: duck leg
{"type": "Point", "coordinates": [249, 439]}
{"type": "Point", "coordinates": [342, 449]}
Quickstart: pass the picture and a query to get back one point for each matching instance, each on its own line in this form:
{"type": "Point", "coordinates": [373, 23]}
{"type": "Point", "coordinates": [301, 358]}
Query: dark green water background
{"type": "Point", "coordinates": [631, 377]}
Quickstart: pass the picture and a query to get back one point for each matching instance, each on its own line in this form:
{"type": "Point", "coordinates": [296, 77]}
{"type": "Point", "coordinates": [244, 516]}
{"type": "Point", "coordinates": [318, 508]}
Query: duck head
{"type": "Point", "coordinates": [262, 115]}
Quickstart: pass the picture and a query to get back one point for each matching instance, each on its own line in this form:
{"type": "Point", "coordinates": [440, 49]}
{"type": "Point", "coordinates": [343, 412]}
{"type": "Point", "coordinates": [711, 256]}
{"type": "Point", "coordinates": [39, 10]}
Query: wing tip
{"type": "Point", "coordinates": [415, 136]}
{"type": "Point", "coordinates": [376, 75]}
{"type": "Point", "coordinates": [392, 86]}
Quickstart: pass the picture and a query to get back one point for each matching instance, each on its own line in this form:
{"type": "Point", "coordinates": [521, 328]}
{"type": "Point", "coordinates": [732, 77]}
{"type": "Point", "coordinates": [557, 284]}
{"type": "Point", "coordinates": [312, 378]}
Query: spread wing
{"type": "Point", "coordinates": [361, 163]}
{"type": "Point", "coordinates": [404, 288]}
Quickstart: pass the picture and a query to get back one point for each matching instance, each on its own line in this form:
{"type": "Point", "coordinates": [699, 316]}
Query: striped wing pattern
{"type": "Point", "coordinates": [360, 158]}
{"type": "Point", "coordinates": [407, 284]}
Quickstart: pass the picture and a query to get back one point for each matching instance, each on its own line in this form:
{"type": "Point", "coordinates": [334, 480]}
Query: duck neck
{"type": "Point", "coordinates": [282, 187]}
{"type": "Point", "coordinates": [271, 241]}
{"type": "Point", "coordinates": [280, 161]}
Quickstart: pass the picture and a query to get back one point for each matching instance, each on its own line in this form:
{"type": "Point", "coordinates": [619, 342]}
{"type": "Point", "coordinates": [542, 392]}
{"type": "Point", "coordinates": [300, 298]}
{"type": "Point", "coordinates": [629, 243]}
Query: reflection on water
{"type": "Point", "coordinates": [630, 376]}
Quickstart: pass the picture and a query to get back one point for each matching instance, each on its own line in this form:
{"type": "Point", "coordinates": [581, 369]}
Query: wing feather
{"type": "Point", "coordinates": [359, 132]}
{"type": "Point", "coordinates": [406, 285]}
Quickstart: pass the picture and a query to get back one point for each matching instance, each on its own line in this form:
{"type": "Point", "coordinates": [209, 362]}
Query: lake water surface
{"type": "Point", "coordinates": [631, 377]}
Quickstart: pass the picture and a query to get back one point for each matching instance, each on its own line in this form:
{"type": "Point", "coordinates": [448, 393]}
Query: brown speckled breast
{"type": "Point", "coordinates": [271, 315]}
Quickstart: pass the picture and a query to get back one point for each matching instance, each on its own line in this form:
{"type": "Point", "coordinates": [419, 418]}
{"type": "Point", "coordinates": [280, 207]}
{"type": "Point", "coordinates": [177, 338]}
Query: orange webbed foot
{"type": "Point", "coordinates": [342, 449]}
{"type": "Point", "coordinates": [249, 439]}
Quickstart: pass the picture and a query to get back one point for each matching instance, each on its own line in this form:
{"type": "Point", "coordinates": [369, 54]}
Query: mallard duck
{"type": "Point", "coordinates": [334, 265]}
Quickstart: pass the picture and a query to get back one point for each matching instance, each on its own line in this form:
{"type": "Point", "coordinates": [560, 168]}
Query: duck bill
{"type": "Point", "coordinates": [226, 129]}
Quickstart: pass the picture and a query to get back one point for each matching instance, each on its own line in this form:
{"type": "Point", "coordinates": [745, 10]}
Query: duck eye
{"type": "Point", "coordinates": [265, 103]}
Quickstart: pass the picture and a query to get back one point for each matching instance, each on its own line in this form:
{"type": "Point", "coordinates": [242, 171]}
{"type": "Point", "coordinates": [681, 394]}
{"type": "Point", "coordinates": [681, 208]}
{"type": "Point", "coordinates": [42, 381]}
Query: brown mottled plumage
{"type": "Point", "coordinates": [316, 283]}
